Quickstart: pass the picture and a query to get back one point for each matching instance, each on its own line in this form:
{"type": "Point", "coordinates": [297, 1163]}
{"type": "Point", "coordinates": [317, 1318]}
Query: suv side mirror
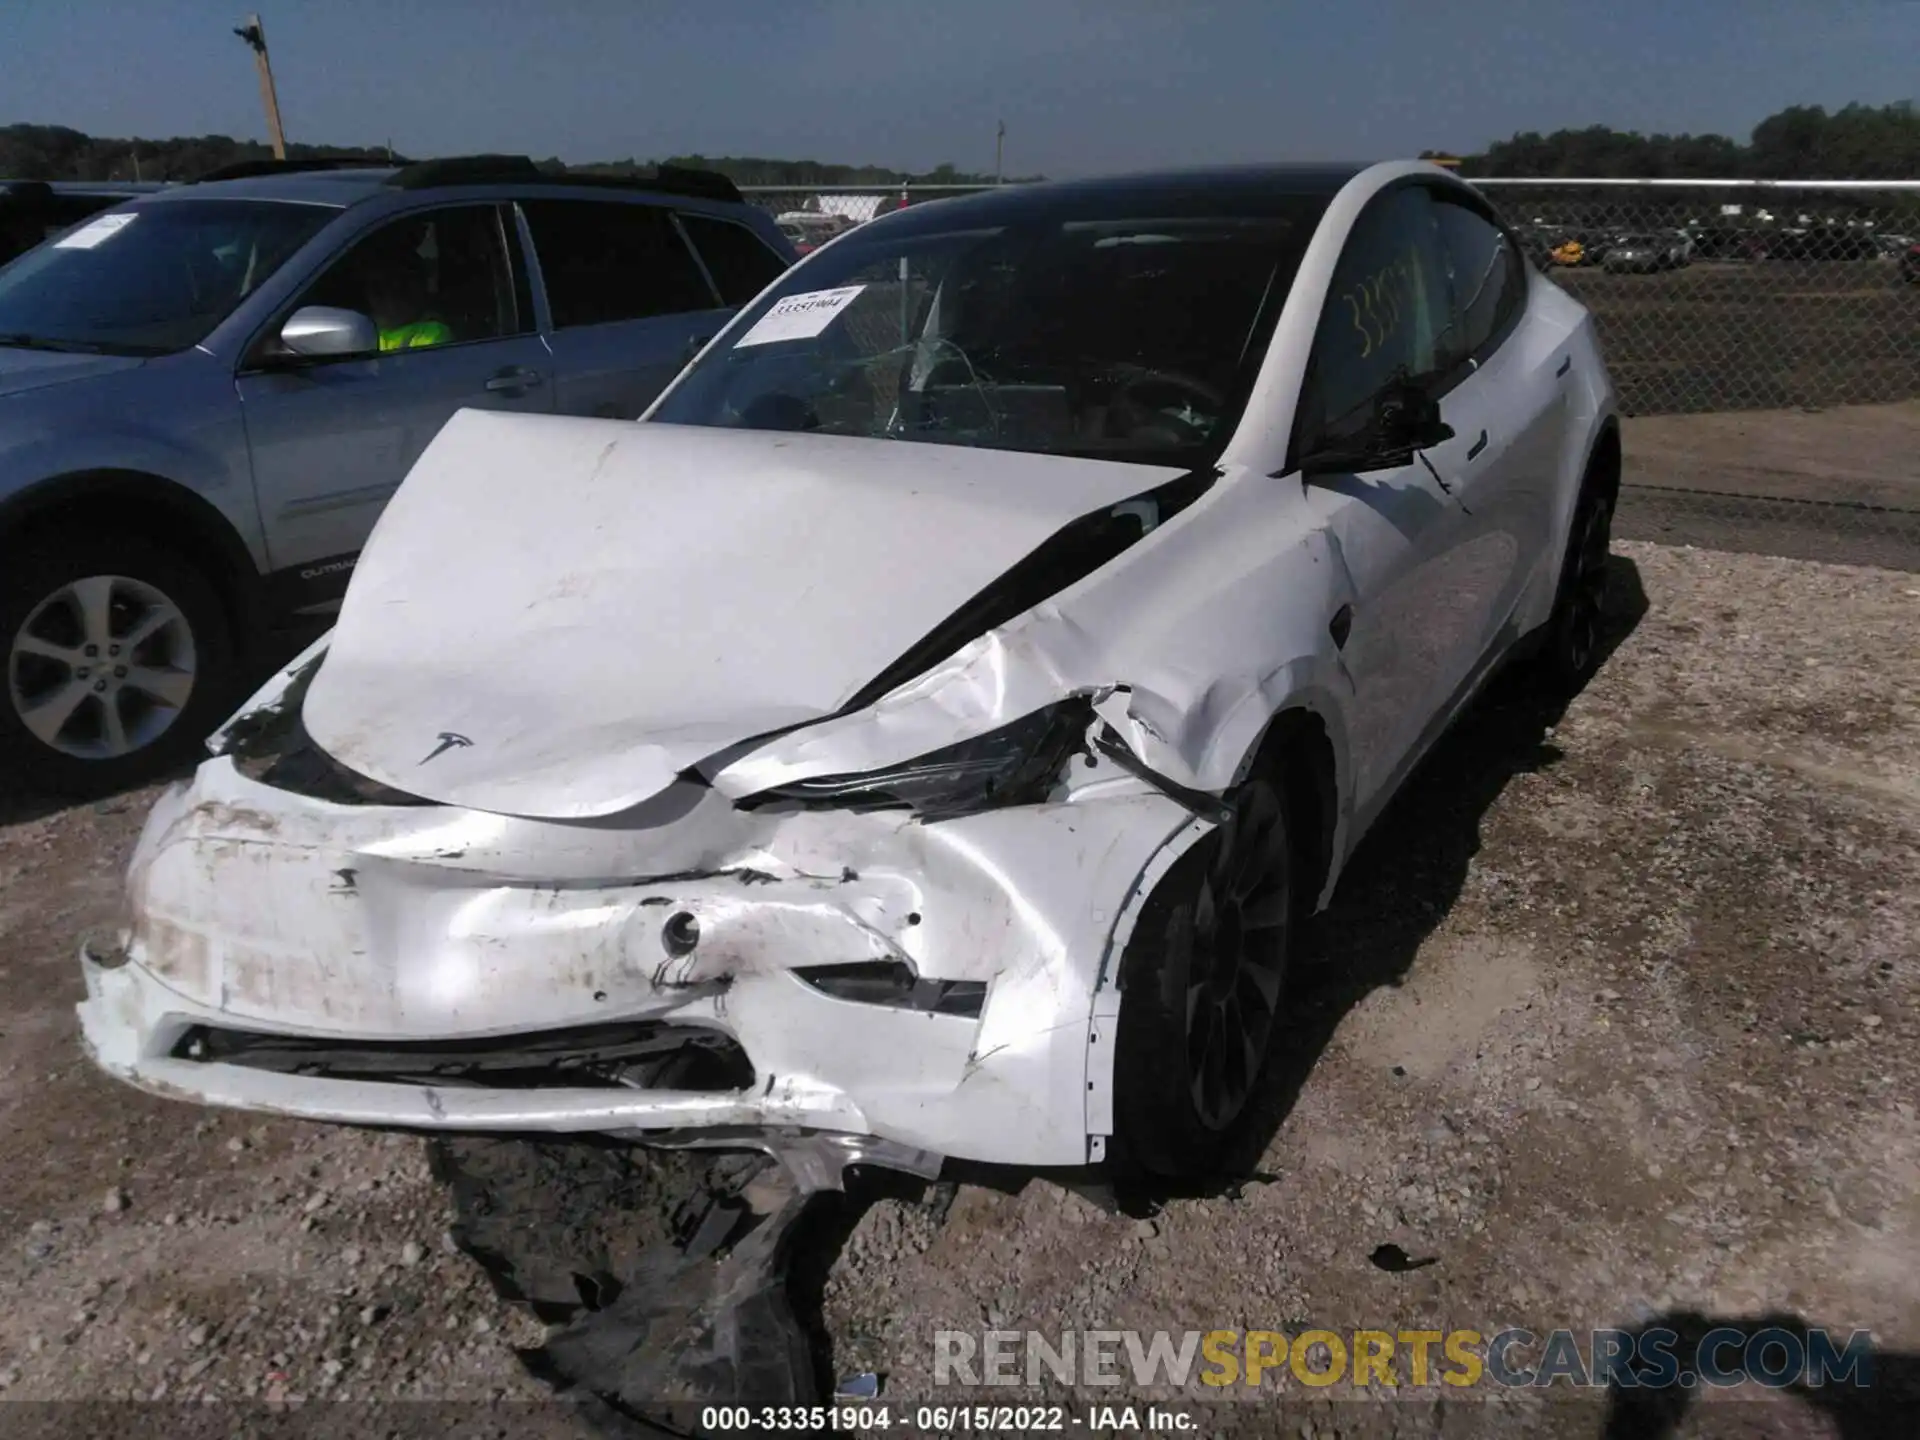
{"type": "Point", "coordinates": [1405, 419]}
{"type": "Point", "coordinates": [316, 332]}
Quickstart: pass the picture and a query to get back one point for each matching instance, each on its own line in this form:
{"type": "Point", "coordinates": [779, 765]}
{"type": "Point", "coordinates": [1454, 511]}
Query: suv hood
{"type": "Point", "coordinates": [24, 370]}
{"type": "Point", "coordinates": [556, 616]}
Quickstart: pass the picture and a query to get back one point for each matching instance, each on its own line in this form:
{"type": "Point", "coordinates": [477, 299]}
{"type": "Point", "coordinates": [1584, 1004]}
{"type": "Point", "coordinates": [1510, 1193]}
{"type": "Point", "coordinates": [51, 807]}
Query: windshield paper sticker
{"type": "Point", "coordinates": [799, 317]}
{"type": "Point", "coordinates": [94, 231]}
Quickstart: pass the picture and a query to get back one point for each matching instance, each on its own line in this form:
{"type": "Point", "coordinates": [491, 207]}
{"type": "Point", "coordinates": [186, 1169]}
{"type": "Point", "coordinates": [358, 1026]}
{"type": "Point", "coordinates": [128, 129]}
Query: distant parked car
{"type": "Point", "coordinates": [812, 228]}
{"type": "Point", "coordinates": [1724, 242]}
{"type": "Point", "coordinates": [208, 393]}
{"type": "Point", "coordinates": [34, 210]}
{"type": "Point", "coordinates": [1910, 264]}
{"type": "Point", "coordinates": [1643, 254]}
{"type": "Point", "coordinates": [1569, 251]}
{"type": "Point", "coordinates": [804, 242]}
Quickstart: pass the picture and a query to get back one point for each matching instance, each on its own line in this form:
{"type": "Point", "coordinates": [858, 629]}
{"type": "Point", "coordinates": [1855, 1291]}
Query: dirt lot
{"type": "Point", "coordinates": [1836, 485]}
{"type": "Point", "coordinates": [1614, 1017]}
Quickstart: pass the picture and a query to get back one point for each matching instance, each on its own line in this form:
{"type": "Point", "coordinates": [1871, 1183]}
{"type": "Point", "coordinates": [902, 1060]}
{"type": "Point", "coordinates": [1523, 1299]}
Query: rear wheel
{"type": "Point", "coordinates": [1572, 651]}
{"type": "Point", "coordinates": [1201, 987]}
{"type": "Point", "coordinates": [118, 659]}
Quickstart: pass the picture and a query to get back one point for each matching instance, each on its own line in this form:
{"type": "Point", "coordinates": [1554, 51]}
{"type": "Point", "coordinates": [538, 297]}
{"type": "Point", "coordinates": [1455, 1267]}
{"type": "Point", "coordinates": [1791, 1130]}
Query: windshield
{"type": "Point", "coordinates": [150, 279]}
{"type": "Point", "coordinates": [1132, 337]}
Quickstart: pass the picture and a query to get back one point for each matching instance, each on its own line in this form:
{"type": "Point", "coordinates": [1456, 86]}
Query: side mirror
{"type": "Point", "coordinates": [317, 332]}
{"type": "Point", "coordinates": [1405, 419]}
{"type": "Point", "coordinates": [1408, 418]}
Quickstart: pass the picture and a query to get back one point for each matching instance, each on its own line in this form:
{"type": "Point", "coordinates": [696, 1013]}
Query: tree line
{"type": "Point", "coordinates": [54, 152]}
{"type": "Point", "coordinates": [1802, 142]}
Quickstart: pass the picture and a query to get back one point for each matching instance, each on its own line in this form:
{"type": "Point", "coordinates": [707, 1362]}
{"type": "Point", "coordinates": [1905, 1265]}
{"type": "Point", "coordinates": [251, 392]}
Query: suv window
{"type": "Point", "coordinates": [151, 279]}
{"type": "Point", "coordinates": [604, 261]}
{"type": "Point", "coordinates": [1486, 274]}
{"type": "Point", "coordinates": [441, 277]}
{"type": "Point", "coordinates": [740, 262]}
{"type": "Point", "coordinates": [1387, 313]}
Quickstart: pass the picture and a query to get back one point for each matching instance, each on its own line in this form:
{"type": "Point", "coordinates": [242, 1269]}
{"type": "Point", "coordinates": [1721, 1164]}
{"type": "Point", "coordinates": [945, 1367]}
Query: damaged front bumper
{"type": "Point", "coordinates": [687, 972]}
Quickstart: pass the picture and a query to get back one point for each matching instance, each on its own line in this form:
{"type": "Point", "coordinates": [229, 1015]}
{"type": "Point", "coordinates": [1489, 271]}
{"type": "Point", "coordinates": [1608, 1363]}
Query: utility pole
{"type": "Point", "coordinates": [999, 145]}
{"type": "Point", "coordinates": [256, 37]}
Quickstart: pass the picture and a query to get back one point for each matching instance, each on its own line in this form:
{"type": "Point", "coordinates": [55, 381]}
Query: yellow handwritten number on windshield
{"type": "Point", "coordinates": [1374, 303]}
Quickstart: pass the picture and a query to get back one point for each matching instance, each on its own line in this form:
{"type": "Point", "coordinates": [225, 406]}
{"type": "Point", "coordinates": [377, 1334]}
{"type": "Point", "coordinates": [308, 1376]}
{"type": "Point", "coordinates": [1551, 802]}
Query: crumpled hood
{"type": "Point", "coordinates": [24, 370]}
{"type": "Point", "coordinates": [556, 616]}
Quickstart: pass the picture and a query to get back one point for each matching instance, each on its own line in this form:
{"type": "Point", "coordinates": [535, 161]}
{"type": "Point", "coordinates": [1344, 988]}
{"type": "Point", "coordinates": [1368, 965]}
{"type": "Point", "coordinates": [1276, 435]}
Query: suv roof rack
{"type": "Point", "coordinates": [464, 170]}
{"type": "Point", "coordinates": [521, 170]}
{"type": "Point", "coordinates": [247, 169]}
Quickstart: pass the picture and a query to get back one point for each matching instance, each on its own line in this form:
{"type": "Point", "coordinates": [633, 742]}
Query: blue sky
{"type": "Point", "coordinates": [1083, 85]}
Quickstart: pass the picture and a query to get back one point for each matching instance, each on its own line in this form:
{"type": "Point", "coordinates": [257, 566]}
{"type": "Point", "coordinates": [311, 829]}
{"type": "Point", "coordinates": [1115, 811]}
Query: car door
{"type": "Point", "coordinates": [331, 439]}
{"type": "Point", "coordinates": [1507, 407]}
{"type": "Point", "coordinates": [1386, 316]}
{"type": "Point", "coordinates": [627, 302]}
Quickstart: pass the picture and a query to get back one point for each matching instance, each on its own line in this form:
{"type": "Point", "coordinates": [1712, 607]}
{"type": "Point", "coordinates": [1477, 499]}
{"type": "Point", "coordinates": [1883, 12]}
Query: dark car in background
{"type": "Point", "coordinates": [1645, 254]}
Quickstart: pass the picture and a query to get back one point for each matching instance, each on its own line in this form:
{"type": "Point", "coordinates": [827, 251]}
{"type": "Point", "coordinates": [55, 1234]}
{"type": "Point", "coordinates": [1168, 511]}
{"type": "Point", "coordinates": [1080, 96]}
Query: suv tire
{"type": "Point", "coordinates": [117, 658]}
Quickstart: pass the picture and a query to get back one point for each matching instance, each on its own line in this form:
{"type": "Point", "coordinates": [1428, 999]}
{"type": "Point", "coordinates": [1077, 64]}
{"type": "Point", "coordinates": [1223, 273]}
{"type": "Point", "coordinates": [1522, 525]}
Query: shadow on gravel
{"type": "Point", "coordinates": [635, 1252]}
{"type": "Point", "coordinates": [1881, 1401]}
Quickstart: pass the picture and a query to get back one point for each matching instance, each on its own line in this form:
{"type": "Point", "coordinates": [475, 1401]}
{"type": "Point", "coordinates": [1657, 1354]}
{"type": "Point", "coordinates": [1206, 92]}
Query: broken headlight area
{"type": "Point", "coordinates": [891, 983]}
{"type": "Point", "coordinates": [632, 1055]}
{"type": "Point", "coordinates": [271, 744]}
{"type": "Point", "coordinates": [1018, 764]}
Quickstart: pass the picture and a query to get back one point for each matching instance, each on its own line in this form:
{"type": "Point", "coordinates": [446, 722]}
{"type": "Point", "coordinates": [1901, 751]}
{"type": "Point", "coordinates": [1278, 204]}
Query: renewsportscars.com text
{"type": "Point", "coordinates": [1216, 1359]}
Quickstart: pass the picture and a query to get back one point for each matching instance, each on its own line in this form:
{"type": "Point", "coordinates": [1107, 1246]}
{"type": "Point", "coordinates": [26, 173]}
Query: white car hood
{"type": "Point", "coordinates": [556, 616]}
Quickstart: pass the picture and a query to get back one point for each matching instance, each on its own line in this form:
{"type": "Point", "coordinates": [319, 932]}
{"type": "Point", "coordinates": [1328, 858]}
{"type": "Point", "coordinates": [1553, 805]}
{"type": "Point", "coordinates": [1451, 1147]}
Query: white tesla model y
{"type": "Point", "coordinates": [922, 733]}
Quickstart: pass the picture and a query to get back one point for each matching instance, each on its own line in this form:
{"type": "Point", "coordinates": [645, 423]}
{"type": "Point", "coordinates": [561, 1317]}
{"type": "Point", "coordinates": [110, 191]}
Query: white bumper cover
{"type": "Point", "coordinates": [259, 911]}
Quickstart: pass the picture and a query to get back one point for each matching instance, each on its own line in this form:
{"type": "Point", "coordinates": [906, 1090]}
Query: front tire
{"type": "Point", "coordinates": [118, 659]}
{"type": "Point", "coordinates": [1201, 984]}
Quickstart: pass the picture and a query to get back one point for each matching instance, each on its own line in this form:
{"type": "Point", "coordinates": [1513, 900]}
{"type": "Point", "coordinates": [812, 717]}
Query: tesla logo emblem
{"type": "Point", "coordinates": [449, 740]}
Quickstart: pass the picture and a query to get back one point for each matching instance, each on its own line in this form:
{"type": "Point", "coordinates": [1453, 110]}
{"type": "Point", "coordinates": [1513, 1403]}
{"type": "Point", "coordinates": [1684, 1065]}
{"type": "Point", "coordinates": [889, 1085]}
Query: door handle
{"type": "Point", "coordinates": [514, 380]}
{"type": "Point", "coordinates": [1477, 446]}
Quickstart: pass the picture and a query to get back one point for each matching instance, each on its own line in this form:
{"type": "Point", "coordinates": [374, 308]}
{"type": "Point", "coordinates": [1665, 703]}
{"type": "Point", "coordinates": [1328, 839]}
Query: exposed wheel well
{"type": "Point", "coordinates": [1296, 752]}
{"type": "Point", "coordinates": [153, 508]}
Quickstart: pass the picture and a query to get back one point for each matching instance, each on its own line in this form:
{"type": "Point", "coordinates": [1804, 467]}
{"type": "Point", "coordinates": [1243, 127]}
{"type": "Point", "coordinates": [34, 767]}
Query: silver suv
{"type": "Point", "coordinates": [208, 394]}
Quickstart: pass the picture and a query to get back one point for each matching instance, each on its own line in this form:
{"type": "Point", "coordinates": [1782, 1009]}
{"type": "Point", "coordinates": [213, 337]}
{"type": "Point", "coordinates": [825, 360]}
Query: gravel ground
{"type": "Point", "coordinates": [1613, 1017]}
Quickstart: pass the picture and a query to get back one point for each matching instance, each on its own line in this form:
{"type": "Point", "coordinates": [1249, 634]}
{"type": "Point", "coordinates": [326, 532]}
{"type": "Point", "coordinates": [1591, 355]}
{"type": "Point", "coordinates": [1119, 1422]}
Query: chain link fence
{"type": "Point", "coordinates": [1774, 299]}
{"type": "Point", "coordinates": [1729, 296]}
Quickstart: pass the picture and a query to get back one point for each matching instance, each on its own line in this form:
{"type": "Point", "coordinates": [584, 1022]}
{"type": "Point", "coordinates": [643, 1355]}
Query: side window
{"type": "Point", "coordinates": [1486, 276]}
{"type": "Point", "coordinates": [441, 277]}
{"type": "Point", "coordinates": [1386, 316]}
{"type": "Point", "coordinates": [605, 260]}
{"type": "Point", "coordinates": [740, 262]}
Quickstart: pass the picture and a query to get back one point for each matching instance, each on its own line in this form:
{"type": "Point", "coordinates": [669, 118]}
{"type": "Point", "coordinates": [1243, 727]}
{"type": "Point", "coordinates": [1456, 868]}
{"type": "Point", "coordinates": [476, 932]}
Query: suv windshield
{"type": "Point", "coordinates": [1133, 337]}
{"type": "Point", "coordinates": [149, 279]}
